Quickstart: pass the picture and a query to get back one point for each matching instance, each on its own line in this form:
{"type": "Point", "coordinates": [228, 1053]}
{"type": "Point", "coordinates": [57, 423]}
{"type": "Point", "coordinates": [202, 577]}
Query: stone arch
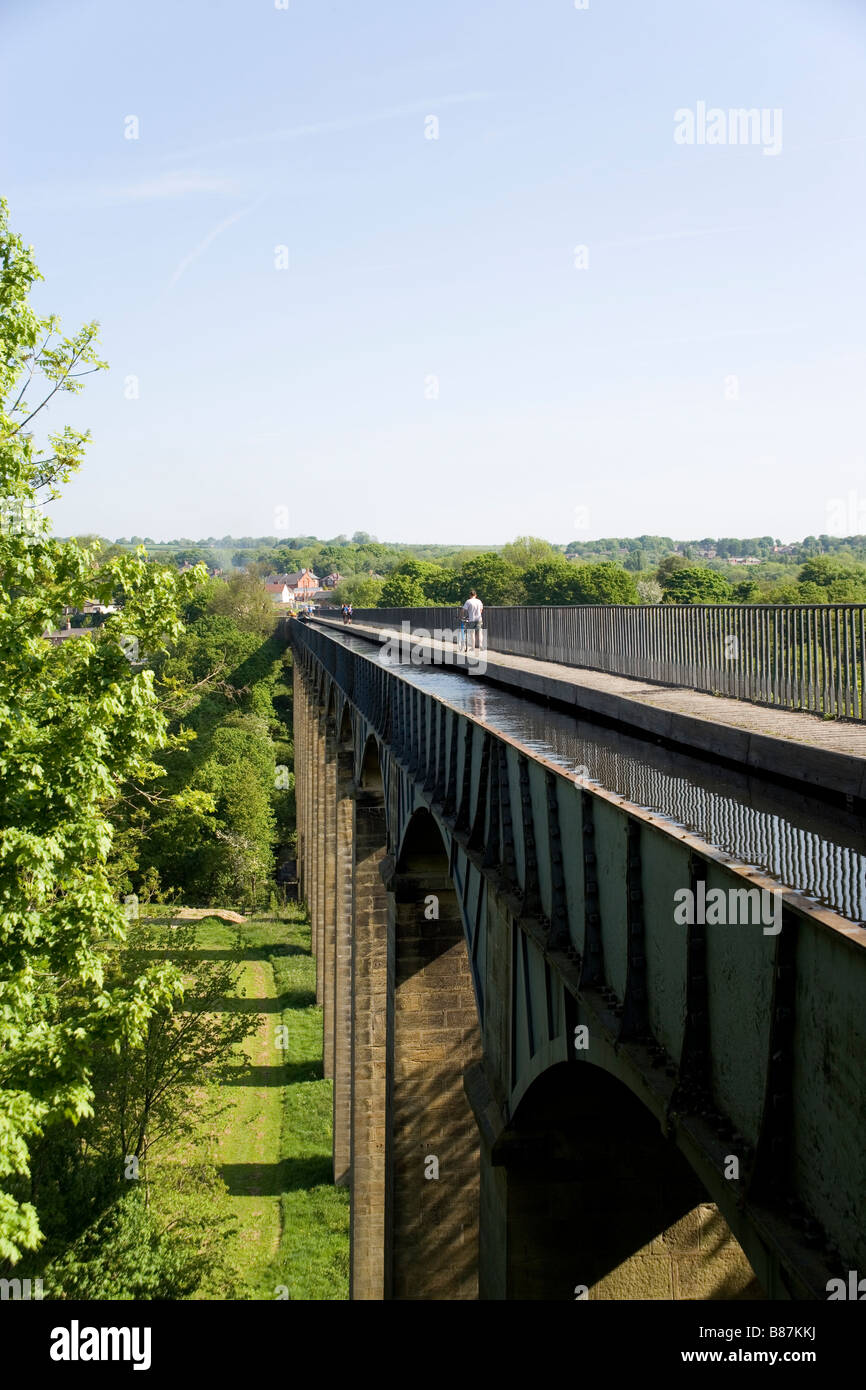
{"type": "Point", "coordinates": [370, 768]}
{"type": "Point", "coordinates": [345, 729]}
{"type": "Point", "coordinates": [421, 843]}
{"type": "Point", "coordinates": [433, 1151]}
{"type": "Point", "coordinates": [331, 700]}
{"type": "Point", "coordinates": [599, 1204]}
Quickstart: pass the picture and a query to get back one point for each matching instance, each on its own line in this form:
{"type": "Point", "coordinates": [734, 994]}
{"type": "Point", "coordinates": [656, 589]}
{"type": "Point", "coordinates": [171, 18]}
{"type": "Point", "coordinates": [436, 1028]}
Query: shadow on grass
{"type": "Point", "coordinates": [292, 999]}
{"type": "Point", "coordinates": [271, 1179]}
{"type": "Point", "coordinates": [266, 953]}
{"type": "Point", "coordinates": [286, 1074]}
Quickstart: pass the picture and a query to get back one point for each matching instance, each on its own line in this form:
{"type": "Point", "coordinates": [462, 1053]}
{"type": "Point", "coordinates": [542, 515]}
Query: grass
{"type": "Point", "coordinates": [273, 1146]}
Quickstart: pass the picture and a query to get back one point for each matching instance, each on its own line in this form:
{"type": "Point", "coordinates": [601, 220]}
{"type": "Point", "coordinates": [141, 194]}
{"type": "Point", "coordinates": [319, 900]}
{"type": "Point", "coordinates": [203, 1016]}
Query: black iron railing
{"type": "Point", "coordinates": [798, 656]}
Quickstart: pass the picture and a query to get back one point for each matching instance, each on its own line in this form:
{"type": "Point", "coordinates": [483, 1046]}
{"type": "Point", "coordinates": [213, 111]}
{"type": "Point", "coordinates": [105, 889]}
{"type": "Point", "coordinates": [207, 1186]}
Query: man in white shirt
{"type": "Point", "coordinates": [472, 610]}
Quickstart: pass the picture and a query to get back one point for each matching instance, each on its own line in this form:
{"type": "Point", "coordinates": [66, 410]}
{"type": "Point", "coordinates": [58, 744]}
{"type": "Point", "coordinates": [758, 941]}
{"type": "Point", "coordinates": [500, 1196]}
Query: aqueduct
{"type": "Point", "coordinates": [544, 1086]}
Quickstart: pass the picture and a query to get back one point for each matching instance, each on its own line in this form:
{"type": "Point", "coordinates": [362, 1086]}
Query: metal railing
{"type": "Point", "coordinates": [793, 656]}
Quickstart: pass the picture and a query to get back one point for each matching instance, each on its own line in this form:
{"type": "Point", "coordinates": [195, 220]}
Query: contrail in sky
{"type": "Point", "coordinates": [297, 132]}
{"type": "Point", "coordinates": [211, 237]}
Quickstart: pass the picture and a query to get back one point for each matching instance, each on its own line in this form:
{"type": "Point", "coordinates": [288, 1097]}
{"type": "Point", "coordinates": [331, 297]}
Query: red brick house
{"type": "Point", "coordinates": [303, 585]}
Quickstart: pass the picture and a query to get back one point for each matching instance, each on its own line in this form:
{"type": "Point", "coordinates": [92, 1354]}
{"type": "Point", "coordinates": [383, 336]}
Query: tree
{"type": "Point", "coordinates": [649, 590]}
{"type": "Point", "coordinates": [402, 591]}
{"type": "Point", "coordinates": [245, 600]}
{"type": "Point", "coordinates": [549, 581]}
{"type": "Point", "coordinates": [332, 559]}
{"type": "Point", "coordinates": [695, 584]}
{"type": "Point", "coordinates": [76, 724]}
{"type": "Point", "coordinates": [155, 1097]}
{"type": "Point", "coordinates": [495, 580]}
{"type": "Point", "coordinates": [214, 839]}
{"type": "Point", "coordinates": [604, 582]}
{"type": "Point", "coordinates": [528, 550]}
{"type": "Point", "coordinates": [193, 555]}
{"type": "Point", "coordinates": [746, 591]}
{"type": "Point", "coordinates": [789, 591]}
{"type": "Point", "coordinates": [146, 1089]}
{"type": "Point", "coordinates": [669, 565]}
{"type": "Point", "coordinates": [359, 590]}
{"type": "Point", "coordinates": [433, 581]}
{"type": "Point", "coordinates": [124, 1255]}
{"type": "Point", "coordinates": [842, 580]}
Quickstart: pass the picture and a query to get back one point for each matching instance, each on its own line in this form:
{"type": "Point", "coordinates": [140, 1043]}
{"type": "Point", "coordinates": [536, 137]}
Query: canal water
{"type": "Point", "coordinates": [817, 850]}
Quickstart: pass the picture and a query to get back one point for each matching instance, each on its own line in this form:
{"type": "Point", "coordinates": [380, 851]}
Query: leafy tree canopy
{"type": "Point", "coordinates": [77, 723]}
{"type": "Point", "coordinates": [695, 585]}
{"type": "Point", "coordinates": [549, 581]}
{"type": "Point", "coordinates": [603, 583]}
{"type": "Point", "coordinates": [528, 550]}
{"type": "Point", "coordinates": [402, 591]}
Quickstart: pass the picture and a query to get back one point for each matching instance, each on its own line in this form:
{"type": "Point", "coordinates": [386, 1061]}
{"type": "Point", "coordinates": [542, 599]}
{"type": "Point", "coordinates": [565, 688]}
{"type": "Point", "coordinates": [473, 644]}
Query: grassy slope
{"type": "Point", "coordinates": [275, 1146]}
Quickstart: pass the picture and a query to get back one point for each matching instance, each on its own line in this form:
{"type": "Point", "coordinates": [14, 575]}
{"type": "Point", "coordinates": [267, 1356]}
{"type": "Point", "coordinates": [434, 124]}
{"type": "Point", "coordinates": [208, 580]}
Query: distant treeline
{"type": "Point", "coordinates": [554, 579]}
{"type": "Point", "coordinates": [640, 569]}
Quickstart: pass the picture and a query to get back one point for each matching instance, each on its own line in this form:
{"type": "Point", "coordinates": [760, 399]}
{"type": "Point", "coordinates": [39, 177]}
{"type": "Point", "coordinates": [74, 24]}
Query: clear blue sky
{"type": "Point", "coordinates": [572, 403]}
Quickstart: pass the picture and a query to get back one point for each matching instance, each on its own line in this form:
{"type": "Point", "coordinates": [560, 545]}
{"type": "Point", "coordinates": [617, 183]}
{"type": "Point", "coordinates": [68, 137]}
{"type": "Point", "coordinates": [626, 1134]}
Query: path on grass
{"type": "Point", "coordinates": [248, 1141]}
{"type": "Point", "coordinates": [273, 1144]}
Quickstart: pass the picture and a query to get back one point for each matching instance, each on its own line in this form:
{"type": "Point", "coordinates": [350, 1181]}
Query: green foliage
{"type": "Point", "coordinates": [243, 599]}
{"type": "Point", "coordinates": [549, 581]}
{"type": "Point", "coordinates": [193, 555]}
{"type": "Point", "coordinates": [359, 590]}
{"type": "Point", "coordinates": [844, 581]}
{"type": "Point", "coordinates": [649, 590]}
{"type": "Point", "coordinates": [692, 584]}
{"type": "Point", "coordinates": [124, 1256]}
{"type": "Point", "coordinates": [211, 839]}
{"type": "Point", "coordinates": [366, 559]}
{"type": "Point", "coordinates": [564, 582]}
{"type": "Point", "coordinates": [159, 1093]}
{"type": "Point", "coordinates": [528, 550]}
{"type": "Point", "coordinates": [77, 723]}
{"type": "Point", "coordinates": [143, 1088]}
{"type": "Point", "coordinates": [496, 580]}
{"type": "Point", "coordinates": [402, 591]}
{"type": "Point", "coordinates": [603, 583]}
{"type": "Point", "coordinates": [669, 565]}
{"type": "Point", "coordinates": [313, 1258]}
{"type": "Point", "coordinates": [747, 591]}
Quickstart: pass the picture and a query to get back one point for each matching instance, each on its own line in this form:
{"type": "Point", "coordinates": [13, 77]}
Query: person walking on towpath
{"type": "Point", "coordinates": [472, 610]}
